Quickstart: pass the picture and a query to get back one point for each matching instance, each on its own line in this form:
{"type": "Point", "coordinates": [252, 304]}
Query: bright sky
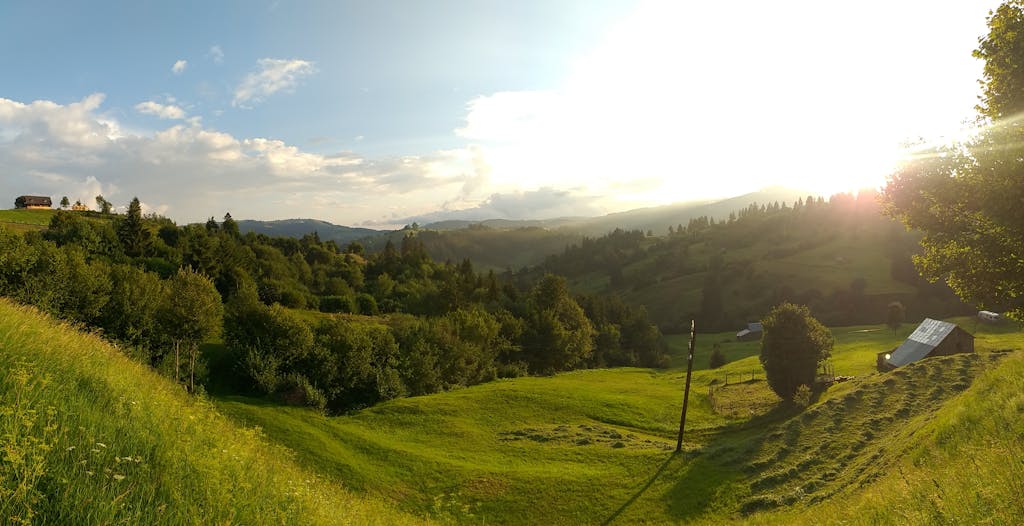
{"type": "Point", "coordinates": [384, 113]}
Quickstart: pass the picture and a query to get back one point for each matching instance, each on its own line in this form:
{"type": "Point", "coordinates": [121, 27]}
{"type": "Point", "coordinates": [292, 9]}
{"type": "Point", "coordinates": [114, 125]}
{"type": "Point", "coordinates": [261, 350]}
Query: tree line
{"type": "Point", "coordinates": [308, 321]}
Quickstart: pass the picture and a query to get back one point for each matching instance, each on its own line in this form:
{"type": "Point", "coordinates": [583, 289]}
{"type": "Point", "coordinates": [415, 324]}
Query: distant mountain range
{"type": "Point", "coordinates": [342, 235]}
{"type": "Point", "coordinates": [528, 240]}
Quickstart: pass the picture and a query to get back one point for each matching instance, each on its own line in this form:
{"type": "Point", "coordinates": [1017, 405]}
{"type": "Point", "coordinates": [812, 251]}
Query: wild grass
{"type": "Point", "coordinates": [89, 437]}
{"type": "Point", "coordinates": [37, 217]}
{"type": "Point", "coordinates": [595, 446]}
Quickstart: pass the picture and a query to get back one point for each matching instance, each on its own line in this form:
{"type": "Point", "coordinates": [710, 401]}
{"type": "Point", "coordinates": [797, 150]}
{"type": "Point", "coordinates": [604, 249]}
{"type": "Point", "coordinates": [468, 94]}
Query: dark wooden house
{"type": "Point", "coordinates": [931, 338]}
{"type": "Point", "coordinates": [33, 201]}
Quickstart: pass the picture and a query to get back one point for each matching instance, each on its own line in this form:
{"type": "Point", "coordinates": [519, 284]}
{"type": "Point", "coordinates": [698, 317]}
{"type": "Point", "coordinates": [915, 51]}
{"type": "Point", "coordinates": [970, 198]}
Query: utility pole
{"type": "Point", "coordinates": [686, 391]}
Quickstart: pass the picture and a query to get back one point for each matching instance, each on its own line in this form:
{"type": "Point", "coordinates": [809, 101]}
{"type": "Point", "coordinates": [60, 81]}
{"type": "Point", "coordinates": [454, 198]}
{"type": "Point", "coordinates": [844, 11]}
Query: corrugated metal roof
{"type": "Point", "coordinates": [755, 327]}
{"type": "Point", "coordinates": [922, 341]}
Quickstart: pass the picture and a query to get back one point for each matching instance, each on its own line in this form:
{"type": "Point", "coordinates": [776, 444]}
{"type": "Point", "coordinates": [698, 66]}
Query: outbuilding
{"type": "Point", "coordinates": [931, 338]}
{"type": "Point", "coordinates": [751, 333]}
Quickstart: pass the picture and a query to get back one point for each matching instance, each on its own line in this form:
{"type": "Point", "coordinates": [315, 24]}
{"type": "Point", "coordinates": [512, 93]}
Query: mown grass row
{"type": "Point", "coordinates": [89, 437]}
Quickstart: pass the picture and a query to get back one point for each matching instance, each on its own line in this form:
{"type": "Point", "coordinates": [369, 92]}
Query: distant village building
{"type": "Point", "coordinates": [79, 207]}
{"type": "Point", "coordinates": [33, 201]}
{"type": "Point", "coordinates": [931, 338]}
{"type": "Point", "coordinates": [751, 333]}
{"type": "Point", "coordinates": [989, 316]}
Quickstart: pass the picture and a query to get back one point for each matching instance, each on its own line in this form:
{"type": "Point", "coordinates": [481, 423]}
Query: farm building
{"type": "Point", "coordinates": [752, 332]}
{"type": "Point", "coordinates": [931, 338]}
{"type": "Point", "coordinates": [33, 201]}
{"type": "Point", "coordinates": [989, 316]}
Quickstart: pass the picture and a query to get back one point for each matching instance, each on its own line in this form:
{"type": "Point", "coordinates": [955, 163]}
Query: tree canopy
{"type": "Point", "coordinates": [967, 198]}
{"type": "Point", "coordinates": [793, 345]}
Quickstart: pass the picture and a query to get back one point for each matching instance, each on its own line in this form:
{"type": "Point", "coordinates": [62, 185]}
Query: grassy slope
{"type": "Point", "coordinates": [90, 437]}
{"type": "Point", "coordinates": [21, 220]}
{"type": "Point", "coordinates": [594, 446]}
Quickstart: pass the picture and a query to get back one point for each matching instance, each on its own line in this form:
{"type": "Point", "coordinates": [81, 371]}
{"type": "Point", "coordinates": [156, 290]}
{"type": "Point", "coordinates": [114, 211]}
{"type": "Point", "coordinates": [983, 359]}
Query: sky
{"type": "Point", "coordinates": [383, 113]}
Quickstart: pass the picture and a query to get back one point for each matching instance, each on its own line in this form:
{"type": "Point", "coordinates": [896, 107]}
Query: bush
{"type": "Point", "coordinates": [717, 358]}
{"type": "Point", "coordinates": [295, 389]}
{"type": "Point", "coordinates": [793, 345]}
{"type": "Point", "coordinates": [802, 396]}
{"type": "Point", "coordinates": [334, 304]}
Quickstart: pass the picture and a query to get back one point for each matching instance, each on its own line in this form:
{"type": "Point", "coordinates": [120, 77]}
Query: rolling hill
{"type": "Point", "coordinates": [90, 437]}
{"type": "Point", "coordinates": [342, 235]}
{"type": "Point", "coordinates": [595, 447]}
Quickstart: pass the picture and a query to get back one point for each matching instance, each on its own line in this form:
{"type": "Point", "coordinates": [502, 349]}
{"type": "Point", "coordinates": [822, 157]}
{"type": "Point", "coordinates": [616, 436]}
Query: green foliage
{"type": "Point", "coordinates": [793, 345]}
{"type": "Point", "coordinates": [558, 333]}
{"type": "Point", "coordinates": [89, 437]}
{"type": "Point", "coordinates": [717, 358]}
{"type": "Point", "coordinates": [966, 197]}
{"type": "Point", "coordinates": [191, 313]}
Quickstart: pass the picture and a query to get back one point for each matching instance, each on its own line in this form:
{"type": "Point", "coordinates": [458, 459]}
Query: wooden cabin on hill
{"type": "Point", "coordinates": [931, 338]}
{"type": "Point", "coordinates": [33, 201]}
{"type": "Point", "coordinates": [751, 333]}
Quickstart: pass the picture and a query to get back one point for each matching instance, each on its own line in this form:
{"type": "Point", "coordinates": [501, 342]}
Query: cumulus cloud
{"type": "Point", "coordinates": [191, 172]}
{"type": "Point", "coordinates": [273, 75]}
{"type": "Point", "coordinates": [216, 54]}
{"type": "Point", "coordinates": [179, 67]}
{"type": "Point", "coordinates": [163, 111]}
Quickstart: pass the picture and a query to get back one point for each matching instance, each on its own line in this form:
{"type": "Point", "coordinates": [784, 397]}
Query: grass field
{"type": "Point", "coordinates": [89, 437]}
{"type": "Point", "coordinates": [595, 447]}
{"type": "Point", "coordinates": [20, 220]}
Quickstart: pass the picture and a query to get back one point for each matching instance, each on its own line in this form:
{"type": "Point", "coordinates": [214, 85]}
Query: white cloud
{"type": "Point", "coordinates": [179, 67]}
{"type": "Point", "coordinates": [272, 76]}
{"type": "Point", "coordinates": [216, 54]}
{"type": "Point", "coordinates": [163, 111]}
{"type": "Point", "coordinates": [192, 172]}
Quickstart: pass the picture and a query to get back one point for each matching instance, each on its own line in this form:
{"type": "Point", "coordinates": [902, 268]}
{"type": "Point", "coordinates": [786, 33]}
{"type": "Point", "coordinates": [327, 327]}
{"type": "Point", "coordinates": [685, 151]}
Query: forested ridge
{"type": "Point", "coordinates": [841, 256]}
{"type": "Point", "coordinates": [305, 320]}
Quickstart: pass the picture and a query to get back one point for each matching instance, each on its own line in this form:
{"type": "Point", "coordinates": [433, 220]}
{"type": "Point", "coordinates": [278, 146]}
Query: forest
{"type": "Point", "coordinates": [306, 321]}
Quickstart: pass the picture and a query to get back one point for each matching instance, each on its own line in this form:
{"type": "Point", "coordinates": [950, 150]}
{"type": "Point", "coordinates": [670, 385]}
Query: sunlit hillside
{"type": "Point", "coordinates": [91, 437]}
{"type": "Point", "coordinates": [595, 447]}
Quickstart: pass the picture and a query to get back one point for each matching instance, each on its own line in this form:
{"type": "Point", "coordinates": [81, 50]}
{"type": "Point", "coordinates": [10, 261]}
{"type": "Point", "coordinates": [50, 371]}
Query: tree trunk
{"type": "Point", "coordinates": [177, 347]}
{"type": "Point", "coordinates": [192, 369]}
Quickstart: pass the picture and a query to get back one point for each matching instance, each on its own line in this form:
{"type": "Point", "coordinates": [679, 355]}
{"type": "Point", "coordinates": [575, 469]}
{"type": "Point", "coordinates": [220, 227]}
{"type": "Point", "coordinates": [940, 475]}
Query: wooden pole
{"type": "Point", "coordinates": [686, 391]}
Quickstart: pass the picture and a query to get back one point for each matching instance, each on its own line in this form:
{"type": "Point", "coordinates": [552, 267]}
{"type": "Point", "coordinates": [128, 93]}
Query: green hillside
{"type": "Point", "coordinates": [91, 437]}
{"type": "Point", "coordinates": [843, 258]}
{"type": "Point", "coordinates": [23, 220]}
{"type": "Point", "coordinates": [594, 447]}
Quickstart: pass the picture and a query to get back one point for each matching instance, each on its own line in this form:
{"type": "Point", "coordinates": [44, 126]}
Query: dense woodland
{"type": "Point", "coordinates": [842, 257]}
{"type": "Point", "coordinates": [306, 320]}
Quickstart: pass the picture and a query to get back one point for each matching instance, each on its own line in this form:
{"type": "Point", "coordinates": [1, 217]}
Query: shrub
{"type": "Point", "coordinates": [717, 358]}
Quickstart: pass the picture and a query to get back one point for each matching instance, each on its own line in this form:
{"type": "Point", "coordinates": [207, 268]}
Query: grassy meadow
{"type": "Point", "coordinates": [90, 437]}
{"type": "Point", "coordinates": [23, 220]}
{"type": "Point", "coordinates": [595, 446]}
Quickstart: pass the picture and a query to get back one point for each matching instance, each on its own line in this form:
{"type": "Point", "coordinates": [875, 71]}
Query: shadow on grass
{"type": "Point", "coordinates": [638, 494]}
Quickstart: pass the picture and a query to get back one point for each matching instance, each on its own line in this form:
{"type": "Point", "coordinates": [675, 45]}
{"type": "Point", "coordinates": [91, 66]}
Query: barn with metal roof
{"type": "Point", "coordinates": [931, 338]}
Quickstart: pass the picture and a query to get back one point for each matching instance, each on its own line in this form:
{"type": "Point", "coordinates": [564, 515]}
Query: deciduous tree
{"type": "Point", "coordinates": [793, 345]}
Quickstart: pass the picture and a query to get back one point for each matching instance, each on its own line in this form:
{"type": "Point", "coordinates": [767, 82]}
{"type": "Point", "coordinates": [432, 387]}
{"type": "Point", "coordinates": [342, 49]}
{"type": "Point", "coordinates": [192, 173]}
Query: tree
{"type": "Point", "coordinates": [229, 226]}
{"type": "Point", "coordinates": [64, 202]}
{"type": "Point", "coordinates": [558, 334]}
{"type": "Point", "coordinates": [967, 197]}
{"type": "Point", "coordinates": [894, 316]}
{"type": "Point", "coordinates": [717, 358]}
{"type": "Point", "coordinates": [191, 313]}
{"type": "Point", "coordinates": [104, 205]}
{"type": "Point", "coordinates": [793, 345]}
{"type": "Point", "coordinates": [132, 233]}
